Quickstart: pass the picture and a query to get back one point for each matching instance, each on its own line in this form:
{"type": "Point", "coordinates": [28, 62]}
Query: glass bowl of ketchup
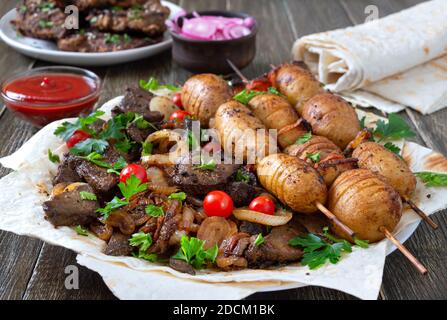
{"type": "Point", "coordinates": [43, 95]}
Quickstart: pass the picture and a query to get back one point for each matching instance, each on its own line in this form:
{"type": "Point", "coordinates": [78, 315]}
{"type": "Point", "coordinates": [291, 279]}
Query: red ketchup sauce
{"type": "Point", "coordinates": [43, 98]}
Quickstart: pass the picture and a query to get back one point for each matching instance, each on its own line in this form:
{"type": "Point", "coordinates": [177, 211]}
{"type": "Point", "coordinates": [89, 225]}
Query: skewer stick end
{"type": "Point", "coordinates": [421, 213]}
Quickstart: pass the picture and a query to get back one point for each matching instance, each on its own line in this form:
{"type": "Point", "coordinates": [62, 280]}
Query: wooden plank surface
{"type": "Point", "coordinates": [31, 270]}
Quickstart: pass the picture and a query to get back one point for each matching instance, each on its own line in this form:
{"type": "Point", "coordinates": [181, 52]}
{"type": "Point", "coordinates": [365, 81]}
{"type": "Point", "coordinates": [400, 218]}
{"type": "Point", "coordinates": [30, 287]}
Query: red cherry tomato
{"type": "Point", "coordinates": [179, 115]}
{"type": "Point", "coordinates": [133, 169]}
{"type": "Point", "coordinates": [262, 204]}
{"type": "Point", "coordinates": [77, 136]}
{"type": "Point", "coordinates": [218, 203]}
{"type": "Point", "coordinates": [259, 85]}
{"type": "Point", "coordinates": [177, 99]}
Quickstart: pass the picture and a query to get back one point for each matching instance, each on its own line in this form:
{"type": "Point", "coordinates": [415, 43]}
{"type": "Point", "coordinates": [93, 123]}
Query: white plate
{"type": "Point", "coordinates": [47, 50]}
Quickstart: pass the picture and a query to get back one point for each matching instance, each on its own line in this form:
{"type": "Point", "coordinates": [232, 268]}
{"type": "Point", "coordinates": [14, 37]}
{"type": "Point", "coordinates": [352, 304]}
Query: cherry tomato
{"type": "Point", "coordinates": [179, 115]}
{"type": "Point", "coordinates": [133, 169]}
{"type": "Point", "coordinates": [218, 203]}
{"type": "Point", "coordinates": [77, 136]}
{"type": "Point", "coordinates": [259, 85]}
{"type": "Point", "coordinates": [263, 204]}
{"type": "Point", "coordinates": [177, 99]}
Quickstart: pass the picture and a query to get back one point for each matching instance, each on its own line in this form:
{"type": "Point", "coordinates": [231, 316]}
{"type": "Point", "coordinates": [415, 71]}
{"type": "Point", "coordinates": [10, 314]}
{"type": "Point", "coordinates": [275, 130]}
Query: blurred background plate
{"type": "Point", "coordinates": [47, 50]}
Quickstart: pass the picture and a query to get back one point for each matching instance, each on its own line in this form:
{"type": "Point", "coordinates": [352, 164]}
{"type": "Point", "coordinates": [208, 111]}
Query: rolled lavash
{"type": "Point", "coordinates": [397, 61]}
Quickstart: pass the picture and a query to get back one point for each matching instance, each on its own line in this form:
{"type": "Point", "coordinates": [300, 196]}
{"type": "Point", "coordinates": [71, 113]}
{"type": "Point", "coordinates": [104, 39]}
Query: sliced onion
{"type": "Point", "coordinates": [199, 28]}
{"type": "Point", "coordinates": [236, 31]}
{"type": "Point", "coordinates": [249, 22]}
{"type": "Point", "coordinates": [164, 137]}
{"type": "Point", "coordinates": [262, 218]}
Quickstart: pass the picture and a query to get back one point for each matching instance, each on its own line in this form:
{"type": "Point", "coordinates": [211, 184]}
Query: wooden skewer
{"type": "Point", "coordinates": [334, 219]}
{"type": "Point", "coordinates": [237, 71]}
{"type": "Point", "coordinates": [404, 250]}
{"type": "Point", "coordinates": [421, 213]}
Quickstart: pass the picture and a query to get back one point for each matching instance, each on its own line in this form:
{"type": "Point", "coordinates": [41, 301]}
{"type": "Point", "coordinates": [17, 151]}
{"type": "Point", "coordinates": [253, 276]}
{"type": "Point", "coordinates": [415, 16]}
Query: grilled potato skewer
{"type": "Point", "coordinates": [367, 204]}
{"type": "Point", "coordinates": [240, 132]}
{"type": "Point", "coordinates": [396, 172]}
{"type": "Point", "coordinates": [332, 162]}
{"type": "Point", "coordinates": [202, 94]}
{"type": "Point", "coordinates": [296, 184]}
{"type": "Point", "coordinates": [296, 82]}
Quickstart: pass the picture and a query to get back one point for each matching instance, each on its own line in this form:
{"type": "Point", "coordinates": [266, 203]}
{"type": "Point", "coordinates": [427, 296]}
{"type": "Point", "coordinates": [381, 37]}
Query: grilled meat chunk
{"type": "Point", "coordinates": [94, 41]}
{"type": "Point", "coordinates": [196, 181]}
{"type": "Point", "coordinates": [138, 101]}
{"type": "Point", "coordinates": [242, 193]}
{"type": "Point", "coordinates": [118, 245]}
{"type": "Point", "coordinates": [96, 176]}
{"type": "Point", "coordinates": [275, 249]}
{"type": "Point", "coordinates": [173, 214]}
{"type": "Point", "coordinates": [89, 4]}
{"type": "Point", "coordinates": [66, 171]}
{"type": "Point", "coordinates": [181, 266]}
{"type": "Point", "coordinates": [148, 18]}
{"type": "Point", "coordinates": [41, 19]}
{"type": "Point", "coordinates": [69, 209]}
{"type": "Point", "coordinates": [251, 228]}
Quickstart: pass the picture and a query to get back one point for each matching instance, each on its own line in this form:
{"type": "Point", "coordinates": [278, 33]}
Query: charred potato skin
{"type": "Point", "coordinates": [202, 95]}
{"type": "Point", "coordinates": [274, 111]}
{"type": "Point", "coordinates": [294, 182]}
{"type": "Point", "coordinates": [331, 169]}
{"type": "Point", "coordinates": [296, 82]}
{"type": "Point", "coordinates": [364, 202]}
{"type": "Point", "coordinates": [332, 117]}
{"type": "Point", "coordinates": [236, 125]}
{"type": "Point", "coordinates": [378, 159]}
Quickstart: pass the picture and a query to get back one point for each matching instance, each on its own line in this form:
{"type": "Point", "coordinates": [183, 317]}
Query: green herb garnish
{"type": "Point", "coordinates": [141, 240]}
{"type": "Point", "coordinates": [81, 231]}
{"type": "Point", "coordinates": [53, 157]}
{"type": "Point", "coordinates": [180, 196]}
{"type": "Point", "coordinates": [85, 195]}
{"type": "Point", "coordinates": [432, 179]}
{"type": "Point", "coordinates": [66, 129]}
{"type": "Point", "coordinates": [259, 240]}
{"type": "Point", "coordinates": [394, 129]}
{"type": "Point", "coordinates": [318, 251]}
{"type": "Point", "coordinates": [46, 6]}
{"type": "Point", "coordinates": [88, 146]}
{"type": "Point", "coordinates": [304, 138]}
{"type": "Point", "coordinates": [45, 24]}
{"type": "Point", "coordinates": [393, 148]}
{"type": "Point", "coordinates": [315, 157]}
{"type": "Point", "coordinates": [242, 177]}
{"type": "Point", "coordinates": [147, 148]}
{"type": "Point", "coordinates": [246, 95]}
{"type": "Point", "coordinates": [192, 251]}
{"type": "Point", "coordinates": [210, 165]}
{"type": "Point", "coordinates": [152, 84]}
{"type": "Point", "coordinates": [154, 211]}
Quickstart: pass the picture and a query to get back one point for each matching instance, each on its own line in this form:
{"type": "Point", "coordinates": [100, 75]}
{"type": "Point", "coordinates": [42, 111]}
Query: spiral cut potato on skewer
{"type": "Point", "coordinates": [242, 134]}
{"type": "Point", "coordinates": [332, 117]}
{"type": "Point", "coordinates": [296, 82]}
{"type": "Point", "coordinates": [364, 202]}
{"type": "Point", "coordinates": [294, 182]}
{"type": "Point", "coordinates": [332, 162]}
{"type": "Point", "coordinates": [202, 95]}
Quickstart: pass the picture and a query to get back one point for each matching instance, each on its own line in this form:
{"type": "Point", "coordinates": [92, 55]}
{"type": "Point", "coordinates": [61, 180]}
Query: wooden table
{"type": "Point", "coordinates": [31, 269]}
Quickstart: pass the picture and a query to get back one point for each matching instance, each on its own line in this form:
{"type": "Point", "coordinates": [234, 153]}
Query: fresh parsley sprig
{"type": "Point", "coordinates": [432, 179]}
{"type": "Point", "coordinates": [66, 129]}
{"type": "Point", "coordinates": [245, 95]}
{"type": "Point", "coordinates": [192, 251]}
{"type": "Point", "coordinates": [180, 196]}
{"type": "Point", "coordinates": [242, 177]}
{"type": "Point", "coordinates": [131, 187]}
{"type": "Point", "coordinates": [152, 84]}
{"type": "Point", "coordinates": [53, 157]}
{"type": "Point", "coordinates": [154, 211]}
{"type": "Point", "coordinates": [143, 241]}
{"type": "Point", "coordinates": [315, 157]}
{"type": "Point", "coordinates": [259, 240]}
{"type": "Point", "coordinates": [81, 231]}
{"type": "Point", "coordinates": [317, 251]}
{"type": "Point", "coordinates": [86, 147]}
{"type": "Point", "coordinates": [210, 165]}
{"type": "Point", "coordinates": [304, 138]}
{"type": "Point", "coordinates": [85, 195]}
{"type": "Point", "coordinates": [394, 129]}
